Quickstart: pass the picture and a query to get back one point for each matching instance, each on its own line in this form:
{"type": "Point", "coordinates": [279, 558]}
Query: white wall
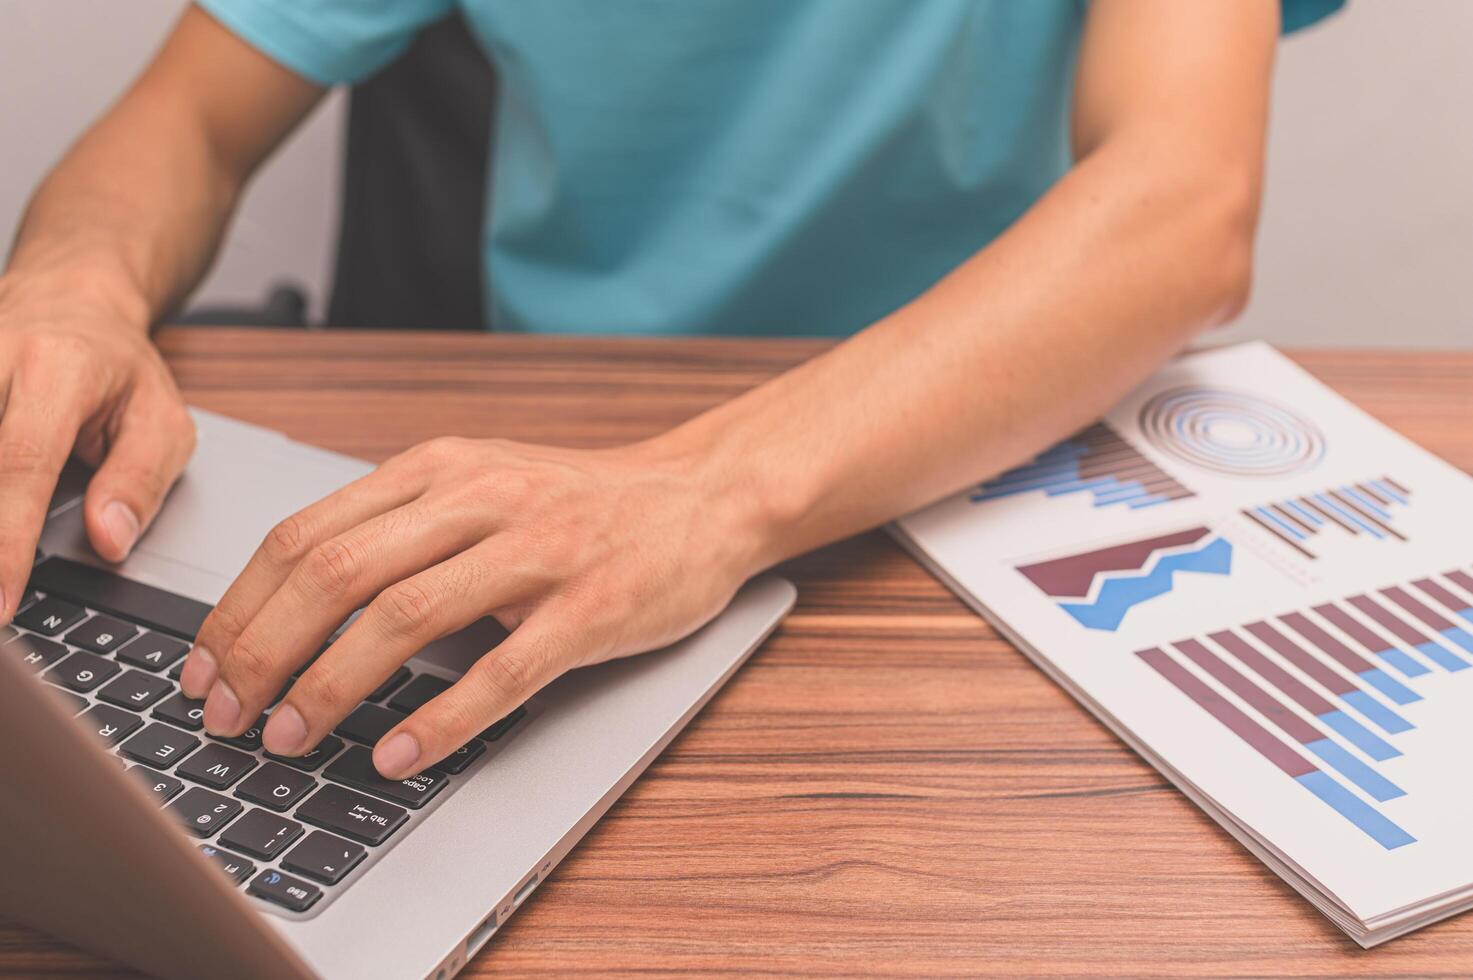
{"type": "Point", "coordinates": [1367, 234]}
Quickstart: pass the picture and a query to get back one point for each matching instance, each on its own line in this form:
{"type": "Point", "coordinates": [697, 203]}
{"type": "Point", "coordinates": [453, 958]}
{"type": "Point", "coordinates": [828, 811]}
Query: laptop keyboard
{"type": "Point", "coordinates": [293, 832]}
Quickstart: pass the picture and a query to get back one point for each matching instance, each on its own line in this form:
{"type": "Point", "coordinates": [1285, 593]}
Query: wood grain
{"type": "Point", "coordinates": [888, 787]}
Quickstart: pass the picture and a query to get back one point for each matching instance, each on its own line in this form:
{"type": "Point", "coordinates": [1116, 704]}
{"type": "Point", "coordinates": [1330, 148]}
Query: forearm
{"type": "Point", "coordinates": [1113, 270]}
{"type": "Point", "coordinates": [131, 216]}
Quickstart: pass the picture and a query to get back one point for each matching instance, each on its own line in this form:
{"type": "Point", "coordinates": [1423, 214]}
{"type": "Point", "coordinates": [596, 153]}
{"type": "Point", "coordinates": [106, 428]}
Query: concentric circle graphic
{"type": "Point", "coordinates": [1231, 432]}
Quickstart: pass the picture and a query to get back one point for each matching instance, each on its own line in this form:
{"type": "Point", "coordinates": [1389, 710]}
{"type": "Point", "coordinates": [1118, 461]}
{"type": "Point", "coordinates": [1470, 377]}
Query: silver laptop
{"type": "Point", "coordinates": [126, 830]}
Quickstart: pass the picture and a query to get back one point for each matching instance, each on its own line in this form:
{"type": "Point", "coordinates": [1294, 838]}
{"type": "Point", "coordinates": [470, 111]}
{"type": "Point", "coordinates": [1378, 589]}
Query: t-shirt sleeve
{"type": "Point", "coordinates": [328, 41]}
{"type": "Point", "coordinates": [1302, 13]}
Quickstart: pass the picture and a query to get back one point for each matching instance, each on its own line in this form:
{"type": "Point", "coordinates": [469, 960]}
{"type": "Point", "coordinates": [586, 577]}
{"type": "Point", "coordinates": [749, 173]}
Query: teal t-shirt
{"type": "Point", "coordinates": [732, 166]}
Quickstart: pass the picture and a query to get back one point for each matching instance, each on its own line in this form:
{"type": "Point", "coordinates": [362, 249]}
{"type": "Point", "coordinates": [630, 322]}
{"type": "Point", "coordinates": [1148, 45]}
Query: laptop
{"type": "Point", "coordinates": [126, 830]}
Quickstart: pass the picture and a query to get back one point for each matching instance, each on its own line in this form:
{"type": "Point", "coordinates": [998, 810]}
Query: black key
{"type": "Point", "coordinates": [134, 601]}
{"type": "Point", "coordinates": [237, 869]}
{"type": "Point", "coordinates": [275, 786]}
{"type": "Point", "coordinates": [368, 723]}
{"type": "Point", "coordinates": [159, 746]}
{"type": "Point", "coordinates": [153, 651]}
{"type": "Point", "coordinates": [36, 652]}
{"type": "Point", "coordinates": [176, 671]}
{"type": "Point", "coordinates": [8, 633]}
{"type": "Point", "coordinates": [292, 894]}
{"type": "Point", "coordinates": [102, 634]}
{"type": "Point", "coordinates": [164, 788]}
{"type": "Point", "coordinates": [250, 739]}
{"type": "Point", "coordinates": [418, 692]}
{"type": "Point", "coordinates": [82, 671]}
{"type": "Point", "coordinates": [312, 761]}
{"type": "Point", "coordinates": [184, 712]}
{"type": "Point", "coordinates": [355, 768]}
{"type": "Point", "coordinates": [110, 724]}
{"type": "Point", "coordinates": [261, 834]}
{"type": "Point", "coordinates": [217, 766]}
{"type": "Point", "coordinates": [323, 857]}
{"type": "Point", "coordinates": [72, 702]}
{"type": "Point", "coordinates": [387, 687]}
{"type": "Point", "coordinates": [456, 761]}
{"type": "Point", "coordinates": [504, 725]}
{"type": "Point", "coordinates": [203, 812]}
{"type": "Point", "coordinates": [50, 616]}
{"type": "Point", "coordinates": [355, 816]}
{"type": "Point", "coordinates": [134, 690]}
{"type": "Point", "coordinates": [31, 595]}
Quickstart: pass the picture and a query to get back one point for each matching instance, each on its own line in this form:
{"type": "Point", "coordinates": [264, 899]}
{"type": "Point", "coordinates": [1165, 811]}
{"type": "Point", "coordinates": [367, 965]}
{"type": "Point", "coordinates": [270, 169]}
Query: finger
{"type": "Point", "coordinates": [534, 654]}
{"type": "Point", "coordinates": [284, 547]}
{"type": "Point", "coordinates": [404, 619]}
{"type": "Point", "coordinates": [335, 578]}
{"type": "Point", "coordinates": [154, 441]}
{"type": "Point", "coordinates": [43, 413]}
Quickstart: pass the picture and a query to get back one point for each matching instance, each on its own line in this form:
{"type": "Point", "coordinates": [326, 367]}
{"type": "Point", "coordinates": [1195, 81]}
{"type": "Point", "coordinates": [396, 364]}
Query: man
{"type": "Point", "coordinates": [1008, 260]}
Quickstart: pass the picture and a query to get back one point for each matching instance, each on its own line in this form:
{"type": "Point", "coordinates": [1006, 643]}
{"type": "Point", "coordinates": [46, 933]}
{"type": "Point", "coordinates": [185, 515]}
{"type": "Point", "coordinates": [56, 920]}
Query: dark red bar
{"type": "Point", "coordinates": [1280, 678]}
{"type": "Point", "coordinates": [1461, 578]}
{"type": "Point", "coordinates": [1278, 534]}
{"type": "Point", "coordinates": [1354, 628]}
{"type": "Point", "coordinates": [1365, 515]}
{"type": "Point", "coordinates": [1440, 594]}
{"type": "Point", "coordinates": [1327, 515]}
{"type": "Point", "coordinates": [1224, 711]}
{"type": "Point", "coordinates": [1396, 486]}
{"type": "Point", "coordinates": [1373, 493]}
{"type": "Point", "coordinates": [1297, 656]}
{"type": "Point", "coordinates": [1395, 626]}
{"type": "Point", "coordinates": [1301, 625]}
{"type": "Point", "coordinates": [1417, 609]}
{"type": "Point", "coordinates": [1293, 519]}
{"type": "Point", "coordinates": [1264, 703]}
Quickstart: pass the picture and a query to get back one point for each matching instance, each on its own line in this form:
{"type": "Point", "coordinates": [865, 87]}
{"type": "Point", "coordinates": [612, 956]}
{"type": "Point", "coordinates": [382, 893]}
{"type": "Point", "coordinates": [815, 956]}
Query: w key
{"type": "Point", "coordinates": [216, 766]}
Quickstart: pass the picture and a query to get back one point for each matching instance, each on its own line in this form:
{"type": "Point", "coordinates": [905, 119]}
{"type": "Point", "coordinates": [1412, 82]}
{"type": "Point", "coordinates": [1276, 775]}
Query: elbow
{"type": "Point", "coordinates": [1230, 222]}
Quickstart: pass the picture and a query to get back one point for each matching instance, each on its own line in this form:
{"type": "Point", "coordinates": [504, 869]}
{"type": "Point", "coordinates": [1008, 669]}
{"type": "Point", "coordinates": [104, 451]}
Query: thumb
{"type": "Point", "coordinates": [154, 441]}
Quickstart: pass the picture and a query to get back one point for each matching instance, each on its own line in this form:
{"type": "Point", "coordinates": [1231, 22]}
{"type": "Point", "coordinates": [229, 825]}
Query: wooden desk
{"type": "Point", "coordinates": [887, 787]}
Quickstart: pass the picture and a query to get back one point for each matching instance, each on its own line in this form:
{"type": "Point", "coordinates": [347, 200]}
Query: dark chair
{"type": "Point", "coordinates": [413, 196]}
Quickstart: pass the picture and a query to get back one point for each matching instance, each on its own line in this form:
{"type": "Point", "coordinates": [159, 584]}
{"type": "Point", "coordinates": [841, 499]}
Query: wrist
{"type": "Point", "coordinates": [61, 289]}
{"type": "Point", "coordinates": [756, 504]}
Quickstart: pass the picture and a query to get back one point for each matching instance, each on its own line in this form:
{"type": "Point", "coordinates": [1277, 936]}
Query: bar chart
{"type": "Point", "coordinates": [1321, 694]}
{"type": "Point", "coordinates": [1366, 511]}
{"type": "Point", "coordinates": [1096, 462]}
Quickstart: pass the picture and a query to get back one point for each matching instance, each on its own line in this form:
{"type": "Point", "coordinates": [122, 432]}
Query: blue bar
{"type": "Point", "coordinates": [1390, 686]}
{"type": "Point", "coordinates": [1460, 636]}
{"type": "Point", "coordinates": [1119, 492]}
{"type": "Point", "coordinates": [1370, 529]}
{"type": "Point", "coordinates": [1403, 662]}
{"type": "Point", "coordinates": [1375, 785]}
{"type": "Point", "coordinates": [1380, 485]}
{"type": "Point", "coordinates": [1441, 655]}
{"type": "Point", "coordinates": [1368, 503]}
{"type": "Point", "coordinates": [1356, 810]}
{"type": "Point", "coordinates": [1074, 485]}
{"type": "Point", "coordinates": [1385, 719]}
{"type": "Point", "coordinates": [1360, 736]}
{"type": "Point", "coordinates": [1148, 502]}
{"type": "Point", "coordinates": [1285, 525]}
{"type": "Point", "coordinates": [1064, 450]}
{"type": "Point", "coordinates": [1305, 513]}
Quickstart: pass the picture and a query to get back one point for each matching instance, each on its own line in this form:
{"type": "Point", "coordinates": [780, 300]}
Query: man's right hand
{"type": "Point", "coordinates": [76, 376]}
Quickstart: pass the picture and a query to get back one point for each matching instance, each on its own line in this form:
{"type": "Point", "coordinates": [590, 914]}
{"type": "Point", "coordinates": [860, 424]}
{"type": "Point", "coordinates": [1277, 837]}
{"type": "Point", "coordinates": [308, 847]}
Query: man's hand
{"type": "Point", "coordinates": [73, 379]}
{"type": "Point", "coordinates": [582, 555]}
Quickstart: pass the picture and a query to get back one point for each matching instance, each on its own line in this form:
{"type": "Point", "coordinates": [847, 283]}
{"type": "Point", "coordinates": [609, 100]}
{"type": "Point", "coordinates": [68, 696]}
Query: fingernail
{"type": "Point", "coordinates": [222, 710]}
{"type": "Point", "coordinates": [122, 525]}
{"type": "Point", "coordinates": [285, 731]}
{"type": "Point", "coordinates": [199, 673]}
{"type": "Point", "coordinates": [397, 757]}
